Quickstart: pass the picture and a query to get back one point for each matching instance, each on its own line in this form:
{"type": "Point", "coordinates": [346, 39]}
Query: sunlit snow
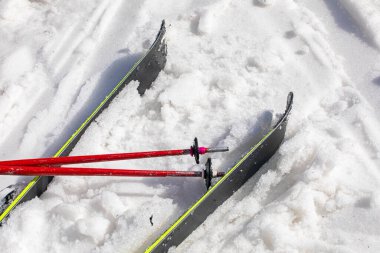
{"type": "Point", "coordinates": [229, 69]}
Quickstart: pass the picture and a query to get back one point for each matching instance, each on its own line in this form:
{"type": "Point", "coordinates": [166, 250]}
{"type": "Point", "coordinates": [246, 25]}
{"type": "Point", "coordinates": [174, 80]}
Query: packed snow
{"type": "Point", "coordinates": [229, 69]}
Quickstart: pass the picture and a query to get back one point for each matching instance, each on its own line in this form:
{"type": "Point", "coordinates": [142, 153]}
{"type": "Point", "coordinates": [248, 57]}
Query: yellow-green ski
{"type": "Point", "coordinates": [243, 170]}
{"type": "Point", "coordinates": [145, 71]}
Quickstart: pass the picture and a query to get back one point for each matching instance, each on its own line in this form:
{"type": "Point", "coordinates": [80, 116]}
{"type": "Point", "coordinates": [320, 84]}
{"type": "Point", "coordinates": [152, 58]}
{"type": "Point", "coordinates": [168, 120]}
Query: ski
{"type": "Point", "coordinates": [243, 170]}
{"type": "Point", "coordinates": [145, 71]}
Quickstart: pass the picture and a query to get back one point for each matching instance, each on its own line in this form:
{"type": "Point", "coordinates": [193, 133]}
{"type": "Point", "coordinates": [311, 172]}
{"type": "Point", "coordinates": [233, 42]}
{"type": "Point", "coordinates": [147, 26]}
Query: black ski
{"type": "Point", "coordinates": [145, 71]}
{"type": "Point", "coordinates": [243, 170]}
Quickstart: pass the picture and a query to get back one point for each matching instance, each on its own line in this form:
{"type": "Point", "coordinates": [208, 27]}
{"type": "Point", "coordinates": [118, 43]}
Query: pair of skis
{"type": "Point", "coordinates": [51, 166]}
{"type": "Point", "coordinates": [145, 71]}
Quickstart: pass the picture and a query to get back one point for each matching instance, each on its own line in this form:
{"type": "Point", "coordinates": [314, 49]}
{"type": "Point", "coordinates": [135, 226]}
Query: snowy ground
{"type": "Point", "coordinates": [229, 63]}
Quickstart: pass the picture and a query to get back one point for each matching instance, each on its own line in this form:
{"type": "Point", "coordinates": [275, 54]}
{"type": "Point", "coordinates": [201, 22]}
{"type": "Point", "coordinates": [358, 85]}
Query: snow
{"type": "Point", "coordinates": [230, 66]}
{"type": "Point", "coordinates": [367, 15]}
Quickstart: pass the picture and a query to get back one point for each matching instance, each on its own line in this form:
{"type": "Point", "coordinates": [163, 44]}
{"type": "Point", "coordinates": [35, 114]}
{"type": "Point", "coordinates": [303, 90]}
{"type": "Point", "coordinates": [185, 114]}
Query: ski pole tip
{"type": "Point", "coordinates": [216, 173]}
{"type": "Point", "coordinates": [215, 150]}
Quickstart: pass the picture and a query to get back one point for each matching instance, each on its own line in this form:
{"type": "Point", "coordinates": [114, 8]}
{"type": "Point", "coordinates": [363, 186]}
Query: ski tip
{"type": "Point", "coordinates": [161, 38]}
{"type": "Point", "coordinates": [163, 27]}
{"type": "Point", "coordinates": [289, 101]}
{"type": "Point", "coordinates": [289, 104]}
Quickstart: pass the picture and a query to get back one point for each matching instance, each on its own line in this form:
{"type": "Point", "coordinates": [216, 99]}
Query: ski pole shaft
{"type": "Point", "coordinates": [215, 150]}
{"type": "Point", "coordinates": [70, 171]}
{"type": "Point", "coordinates": [91, 158]}
{"type": "Point", "coordinates": [105, 157]}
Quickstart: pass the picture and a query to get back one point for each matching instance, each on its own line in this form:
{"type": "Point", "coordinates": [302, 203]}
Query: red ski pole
{"type": "Point", "coordinates": [207, 173]}
{"type": "Point", "coordinates": [57, 161]}
{"type": "Point", "coordinates": [79, 171]}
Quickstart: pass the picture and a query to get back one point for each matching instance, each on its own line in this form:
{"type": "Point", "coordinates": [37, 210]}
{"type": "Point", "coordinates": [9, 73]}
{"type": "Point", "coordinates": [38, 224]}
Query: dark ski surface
{"type": "Point", "coordinates": [225, 187]}
{"type": "Point", "coordinates": [145, 71]}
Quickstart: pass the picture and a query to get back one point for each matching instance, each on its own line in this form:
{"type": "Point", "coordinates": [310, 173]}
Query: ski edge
{"type": "Point", "coordinates": [282, 120]}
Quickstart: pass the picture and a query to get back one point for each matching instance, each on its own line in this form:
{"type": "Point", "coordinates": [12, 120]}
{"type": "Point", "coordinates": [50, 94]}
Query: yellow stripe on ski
{"type": "Point", "coordinates": [18, 198]}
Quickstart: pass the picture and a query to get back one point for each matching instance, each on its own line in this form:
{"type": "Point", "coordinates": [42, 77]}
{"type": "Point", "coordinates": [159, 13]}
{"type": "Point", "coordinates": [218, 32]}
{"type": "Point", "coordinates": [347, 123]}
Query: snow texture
{"type": "Point", "coordinates": [230, 66]}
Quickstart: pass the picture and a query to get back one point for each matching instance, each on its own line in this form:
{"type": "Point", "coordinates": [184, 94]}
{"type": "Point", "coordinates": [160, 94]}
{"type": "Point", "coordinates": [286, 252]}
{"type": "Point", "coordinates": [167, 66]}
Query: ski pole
{"type": "Point", "coordinates": [79, 171]}
{"type": "Point", "coordinates": [194, 151]}
{"type": "Point", "coordinates": [17, 170]}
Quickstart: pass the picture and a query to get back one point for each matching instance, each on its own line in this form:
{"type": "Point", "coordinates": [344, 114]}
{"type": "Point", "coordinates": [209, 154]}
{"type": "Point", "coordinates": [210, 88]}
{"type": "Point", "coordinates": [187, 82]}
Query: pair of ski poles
{"type": "Point", "coordinates": [52, 166]}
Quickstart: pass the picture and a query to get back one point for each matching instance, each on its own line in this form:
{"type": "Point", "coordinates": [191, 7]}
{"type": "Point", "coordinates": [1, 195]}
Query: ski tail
{"type": "Point", "coordinates": [145, 71]}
